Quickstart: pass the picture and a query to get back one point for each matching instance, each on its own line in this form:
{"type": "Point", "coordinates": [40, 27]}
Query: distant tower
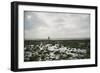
{"type": "Point", "coordinates": [48, 38]}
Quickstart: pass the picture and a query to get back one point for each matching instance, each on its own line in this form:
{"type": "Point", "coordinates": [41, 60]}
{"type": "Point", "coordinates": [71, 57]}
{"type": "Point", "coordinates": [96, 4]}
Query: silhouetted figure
{"type": "Point", "coordinates": [48, 38]}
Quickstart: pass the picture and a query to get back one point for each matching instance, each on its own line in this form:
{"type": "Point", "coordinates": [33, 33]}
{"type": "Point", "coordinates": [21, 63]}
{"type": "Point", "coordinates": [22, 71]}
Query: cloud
{"type": "Point", "coordinates": [40, 25]}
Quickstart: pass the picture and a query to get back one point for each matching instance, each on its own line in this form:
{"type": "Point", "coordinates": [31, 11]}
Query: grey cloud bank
{"type": "Point", "coordinates": [40, 25]}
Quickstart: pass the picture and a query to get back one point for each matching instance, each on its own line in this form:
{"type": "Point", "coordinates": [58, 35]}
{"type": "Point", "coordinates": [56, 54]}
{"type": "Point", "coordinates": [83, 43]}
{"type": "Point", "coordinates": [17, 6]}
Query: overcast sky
{"type": "Point", "coordinates": [40, 25]}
